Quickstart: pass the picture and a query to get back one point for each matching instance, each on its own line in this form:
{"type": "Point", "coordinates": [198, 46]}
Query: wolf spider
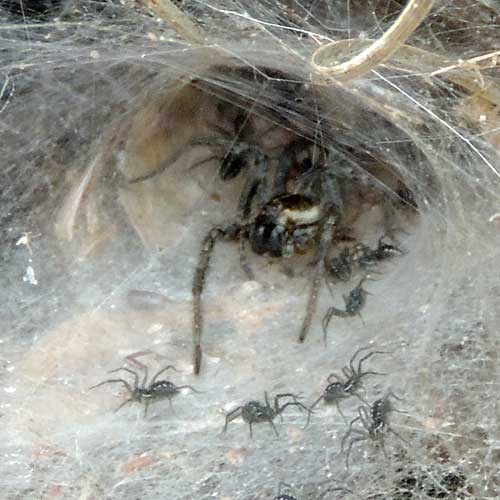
{"type": "Point", "coordinates": [339, 388]}
{"type": "Point", "coordinates": [254, 412]}
{"type": "Point", "coordinates": [147, 393]}
{"type": "Point", "coordinates": [375, 420]}
{"type": "Point", "coordinates": [354, 302]}
{"type": "Point", "coordinates": [285, 224]}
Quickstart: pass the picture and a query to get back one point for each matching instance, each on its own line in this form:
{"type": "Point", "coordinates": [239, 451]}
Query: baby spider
{"type": "Point", "coordinates": [375, 420]}
{"type": "Point", "coordinates": [147, 393]}
{"type": "Point", "coordinates": [339, 388]}
{"type": "Point", "coordinates": [255, 412]}
{"type": "Point", "coordinates": [354, 302]}
{"type": "Point", "coordinates": [365, 257]}
{"type": "Point", "coordinates": [340, 268]}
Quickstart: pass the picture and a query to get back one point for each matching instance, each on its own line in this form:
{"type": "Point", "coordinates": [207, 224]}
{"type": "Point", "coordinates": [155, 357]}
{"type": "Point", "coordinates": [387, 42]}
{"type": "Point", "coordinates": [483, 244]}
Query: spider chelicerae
{"type": "Point", "coordinates": [144, 392]}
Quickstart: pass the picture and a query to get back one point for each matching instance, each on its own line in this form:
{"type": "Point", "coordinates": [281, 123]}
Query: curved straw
{"type": "Point", "coordinates": [378, 51]}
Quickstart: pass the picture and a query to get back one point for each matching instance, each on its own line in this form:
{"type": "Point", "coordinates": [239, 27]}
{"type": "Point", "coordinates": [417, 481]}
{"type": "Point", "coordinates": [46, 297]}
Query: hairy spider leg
{"type": "Point", "coordinates": [325, 239]}
{"type": "Point", "coordinates": [233, 231]}
{"type": "Point", "coordinates": [332, 206]}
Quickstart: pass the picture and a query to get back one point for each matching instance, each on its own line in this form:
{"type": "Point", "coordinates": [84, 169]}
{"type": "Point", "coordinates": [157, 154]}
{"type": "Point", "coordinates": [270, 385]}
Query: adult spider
{"type": "Point", "coordinates": [286, 224]}
{"type": "Point", "coordinates": [375, 420]}
{"type": "Point", "coordinates": [254, 412]}
{"type": "Point", "coordinates": [147, 393]}
{"type": "Point", "coordinates": [339, 388]}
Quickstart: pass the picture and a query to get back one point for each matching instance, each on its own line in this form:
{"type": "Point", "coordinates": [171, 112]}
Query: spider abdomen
{"type": "Point", "coordinates": [335, 391]}
{"type": "Point", "coordinates": [163, 389]}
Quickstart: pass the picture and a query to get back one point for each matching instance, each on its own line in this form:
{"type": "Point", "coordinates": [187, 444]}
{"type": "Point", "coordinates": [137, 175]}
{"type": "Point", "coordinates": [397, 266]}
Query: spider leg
{"type": "Point", "coordinates": [268, 404]}
{"type": "Point", "coordinates": [350, 430]}
{"type": "Point", "coordinates": [147, 402]}
{"type": "Point", "coordinates": [392, 431]}
{"type": "Point", "coordinates": [300, 405]}
{"type": "Point", "coordinates": [355, 355]}
{"type": "Point", "coordinates": [317, 401]}
{"type": "Point", "coordinates": [334, 376]}
{"type": "Point", "coordinates": [128, 370]}
{"type": "Point", "coordinates": [369, 355]}
{"type": "Point", "coordinates": [163, 166]}
{"type": "Point", "coordinates": [232, 231]}
{"type": "Point", "coordinates": [247, 270]}
{"type": "Point", "coordinates": [286, 395]}
{"type": "Point", "coordinates": [325, 322]}
{"type": "Point", "coordinates": [382, 445]}
{"type": "Point", "coordinates": [363, 374]}
{"type": "Point", "coordinates": [325, 240]}
{"type": "Point", "coordinates": [232, 415]}
{"type": "Point", "coordinates": [255, 185]}
{"type": "Point", "coordinates": [113, 380]}
{"type": "Point", "coordinates": [337, 405]}
{"type": "Point", "coordinates": [352, 442]}
{"type": "Point", "coordinates": [132, 358]}
{"type": "Point", "coordinates": [190, 388]}
{"type": "Point", "coordinates": [123, 404]}
{"type": "Point", "coordinates": [391, 394]}
{"type": "Point", "coordinates": [274, 427]}
{"type": "Point", "coordinates": [163, 370]}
